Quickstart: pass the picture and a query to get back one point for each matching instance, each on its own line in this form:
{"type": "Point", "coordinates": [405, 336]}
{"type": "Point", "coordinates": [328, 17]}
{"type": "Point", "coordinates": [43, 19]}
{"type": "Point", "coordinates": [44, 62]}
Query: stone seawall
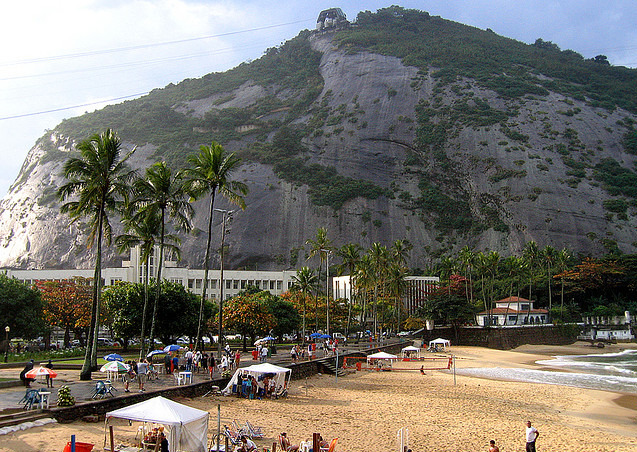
{"type": "Point", "coordinates": [507, 338]}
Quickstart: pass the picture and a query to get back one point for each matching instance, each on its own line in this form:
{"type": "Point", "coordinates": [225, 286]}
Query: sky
{"type": "Point", "coordinates": [60, 59]}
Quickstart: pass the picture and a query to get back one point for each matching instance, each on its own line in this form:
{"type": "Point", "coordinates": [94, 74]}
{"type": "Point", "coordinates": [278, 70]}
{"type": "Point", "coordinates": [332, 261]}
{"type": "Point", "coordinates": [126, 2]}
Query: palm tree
{"type": "Point", "coordinates": [549, 255]}
{"type": "Point", "coordinates": [467, 257]}
{"type": "Point", "coordinates": [209, 174]}
{"type": "Point", "coordinates": [531, 256]}
{"type": "Point", "coordinates": [379, 258]}
{"type": "Point", "coordinates": [562, 260]}
{"type": "Point", "coordinates": [363, 283]}
{"type": "Point", "coordinates": [351, 256]}
{"type": "Point", "coordinates": [319, 245]}
{"type": "Point", "coordinates": [99, 180]}
{"type": "Point", "coordinates": [144, 233]}
{"type": "Point", "coordinates": [161, 194]}
{"type": "Point", "coordinates": [396, 286]}
{"type": "Point", "coordinates": [303, 281]}
{"type": "Point", "coordinates": [399, 251]}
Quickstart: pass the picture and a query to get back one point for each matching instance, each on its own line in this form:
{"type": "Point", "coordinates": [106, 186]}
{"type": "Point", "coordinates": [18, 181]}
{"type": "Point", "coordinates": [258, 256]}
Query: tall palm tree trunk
{"type": "Point", "coordinates": [144, 311]}
{"type": "Point", "coordinates": [158, 281]}
{"type": "Point", "coordinates": [206, 266]}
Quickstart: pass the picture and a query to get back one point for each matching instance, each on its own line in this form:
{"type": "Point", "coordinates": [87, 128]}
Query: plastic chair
{"type": "Point", "coordinates": [331, 447]}
{"type": "Point", "coordinates": [254, 431]}
{"type": "Point", "coordinates": [31, 397]}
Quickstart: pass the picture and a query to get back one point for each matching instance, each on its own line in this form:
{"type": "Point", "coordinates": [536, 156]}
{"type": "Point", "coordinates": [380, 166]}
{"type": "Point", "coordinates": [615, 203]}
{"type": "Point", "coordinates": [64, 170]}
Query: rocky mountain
{"type": "Point", "coordinates": [402, 125]}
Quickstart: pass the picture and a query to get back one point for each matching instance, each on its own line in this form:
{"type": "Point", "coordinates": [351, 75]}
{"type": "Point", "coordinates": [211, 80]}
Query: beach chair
{"type": "Point", "coordinates": [280, 392]}
{"type": "Point", "coordinates": [31, 397]}
{"type": "Point", "coordinates": [102, 389]}
{"type": "Point", "coordinates": [331, 447]}
{"type": "Point", "coordinates": [253, 430]}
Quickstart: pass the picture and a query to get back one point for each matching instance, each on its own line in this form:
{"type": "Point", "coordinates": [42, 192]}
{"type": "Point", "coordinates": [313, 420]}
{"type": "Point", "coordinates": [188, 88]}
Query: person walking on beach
{"type": "Point", "coordinates": [493, 447]}
{"type": "Point", "coordinates": [531, 435]}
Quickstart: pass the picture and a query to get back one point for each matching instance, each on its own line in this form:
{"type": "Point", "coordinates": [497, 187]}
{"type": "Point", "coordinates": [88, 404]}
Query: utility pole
{"type": "Point", "coordinates": [327, 289]}
{"type": "Point", "coordinates": [225, 215]}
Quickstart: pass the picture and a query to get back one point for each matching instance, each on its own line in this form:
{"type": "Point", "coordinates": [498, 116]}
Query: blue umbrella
{"type": "Point", "coordinates": [113, 357]}
{"type": "Point", "coordinates": [171, 348]}
{"type": "Point", "coordinates": [326, 336]}
{"type": "Point", "coordinates": [155, 352]}
{"type": "Point", "coordinates": [315, 335]}
{"type": "Point", "coordinates": [269, 338]}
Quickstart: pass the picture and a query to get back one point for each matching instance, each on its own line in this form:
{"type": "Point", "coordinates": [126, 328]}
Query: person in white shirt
{"type": "Point", "coordinates": [264, 353]}
{"type": "Point", "coordinates": [531, 436]}
{"type": "Point", "coordinates": [142, 371]}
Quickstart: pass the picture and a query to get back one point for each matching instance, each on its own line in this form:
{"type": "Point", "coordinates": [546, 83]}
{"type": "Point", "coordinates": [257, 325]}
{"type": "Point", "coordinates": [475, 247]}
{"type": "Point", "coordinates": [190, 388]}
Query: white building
{"type": "Point", "coordinates": [277, 282]}
{"type": "Point", "coordinates": [418, 288]}
{"type": "Point", "coordinates": [513, 311]}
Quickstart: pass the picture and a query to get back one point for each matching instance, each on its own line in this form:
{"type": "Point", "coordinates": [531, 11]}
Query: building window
{"type": "Point", "coordinates": [279, 285]}
{"type": "Point", "coordinates": [243, 284]}
{"type": "Point", "coordinates": [257, 284]}
{"type": "Point", "coordinates": [524, 307]}
{"type": "Point", "coordinates": [198, 284]}
{"type": "Point", "coordinates": [272, 285]}
{"type": "Point", "coordinates": [228, 282]}
{"type": "Point", "coordinates": [191, 283]}
{"type": "Point", "coordinates": [235, 283]}
{"type": "Point", "coordinates": [213, 283]}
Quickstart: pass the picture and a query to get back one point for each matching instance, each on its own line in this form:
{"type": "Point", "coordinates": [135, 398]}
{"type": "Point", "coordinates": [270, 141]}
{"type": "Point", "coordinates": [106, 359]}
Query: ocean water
{"type": "Point", "coordinates": [605, 371]}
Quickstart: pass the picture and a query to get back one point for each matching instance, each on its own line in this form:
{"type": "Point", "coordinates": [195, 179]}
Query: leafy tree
{"type": "Point", "coordinates": [286, 315]}
{"type": "Point", "coordinates": [249, 315]}
{"type": "Point", "coordinates": [351, 256]}
{"type": "Point", "coordinates": [20, 308]}
{"type": "Point", "coordinates": [320, 245]}
{"type": "Point", "coordinates": [303, 282]}
{"type": "Point", "coordinates": [99, 180]}
{"type": "Point", "coordinates": [448, 304]}
{"type": "Point", "coordinates": [67, 305]}
{"type": "Point", "coordinates": [160, 194]}
{"type": "Point", "coordinates": [210, 173]}
{"type": "Point", "coordinates": [177, 309]}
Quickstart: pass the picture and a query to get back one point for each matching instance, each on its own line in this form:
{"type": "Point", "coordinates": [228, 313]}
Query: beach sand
{"type": "Point", "coordinates": [365, 410]}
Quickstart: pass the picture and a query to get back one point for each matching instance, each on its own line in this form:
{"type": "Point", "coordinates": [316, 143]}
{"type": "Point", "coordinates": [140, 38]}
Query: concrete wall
{"type": "Point", "coordinates": [506, 338]}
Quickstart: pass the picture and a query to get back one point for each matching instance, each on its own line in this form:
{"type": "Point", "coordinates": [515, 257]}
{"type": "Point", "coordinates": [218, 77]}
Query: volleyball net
{"type": "Point", "coordinates": [424, 363]}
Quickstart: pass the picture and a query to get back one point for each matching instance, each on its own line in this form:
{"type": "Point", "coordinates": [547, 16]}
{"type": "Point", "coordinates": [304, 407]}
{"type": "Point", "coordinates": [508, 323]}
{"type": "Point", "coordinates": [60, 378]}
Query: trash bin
{"type": "Point", "coordinates": [79, 447]}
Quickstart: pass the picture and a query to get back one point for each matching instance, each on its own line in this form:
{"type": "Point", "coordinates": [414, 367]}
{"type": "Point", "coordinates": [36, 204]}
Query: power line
{"type": "Point", "coordinates": [143, 46]}
{"type": "Point", "coordinates": [72, 107]}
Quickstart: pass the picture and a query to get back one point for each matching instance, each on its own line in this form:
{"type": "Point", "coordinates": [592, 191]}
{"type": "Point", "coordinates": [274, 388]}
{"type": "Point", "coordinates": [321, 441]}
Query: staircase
{"type": "Point", "coordinates": [20, 416]}
{"type": "Point", "coordinates": [331, 367]}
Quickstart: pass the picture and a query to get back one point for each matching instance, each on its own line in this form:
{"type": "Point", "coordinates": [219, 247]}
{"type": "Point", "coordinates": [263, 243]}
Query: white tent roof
{"type": "Point", "coordinates": [411, 348]}
{"type": "Point", "coordinates": [382, 355]}
{"type": "Point", "coordinates": [187, 427]}
{"type": "Point", "coordinates": [442, 341]}
{"type": "Point", "coordinates": [266, 368]}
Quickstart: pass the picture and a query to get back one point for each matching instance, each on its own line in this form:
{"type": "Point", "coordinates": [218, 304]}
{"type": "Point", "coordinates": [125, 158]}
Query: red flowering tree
{"type": "Point", "coordinates": [248, 314]}
{"type": "Point", "coordinates": [67, 304]}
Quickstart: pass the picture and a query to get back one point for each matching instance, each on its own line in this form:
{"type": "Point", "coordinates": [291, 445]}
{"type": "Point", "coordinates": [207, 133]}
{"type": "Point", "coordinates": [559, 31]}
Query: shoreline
{"type": "Point", "coordinates": [365, 410]}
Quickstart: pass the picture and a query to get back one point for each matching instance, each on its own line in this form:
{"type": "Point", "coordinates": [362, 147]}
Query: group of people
{"type": "Point", "coordinates": [249, 387]}
{"type": "Point", "coordinates": [531, 434]}
{"type": "Point", "coordinates": [198, 361]}
{"type": "Point", "coordinates": [137, 371]}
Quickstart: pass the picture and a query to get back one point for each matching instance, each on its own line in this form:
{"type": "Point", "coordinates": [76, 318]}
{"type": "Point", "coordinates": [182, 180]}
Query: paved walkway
{"type": "Point", "coordinates": [83, 390]}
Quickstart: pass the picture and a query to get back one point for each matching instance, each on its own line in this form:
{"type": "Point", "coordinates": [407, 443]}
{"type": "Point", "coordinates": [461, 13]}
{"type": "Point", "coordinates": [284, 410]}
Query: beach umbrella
{"type": "Point", "coordinates": [155, 352]}
{"type": "Point", "coordinates": [114, 366]}
{"type": "Point", "coordinates": [315, 335]}
{"type": "Point", "coordinates": [269, 338]}
{"type": "Point", "coordinates": [41, 372]}
{"type": "Point", "coordinates": [172, 348]}
{"type": "Point", "coordinates": [113, 357]}
{"type": "Point", "coordinates": [325, 336]}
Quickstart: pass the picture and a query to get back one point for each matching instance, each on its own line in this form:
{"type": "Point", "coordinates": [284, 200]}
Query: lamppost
{"type": "Point", "coordinates": [327, 289]}
{"type": "Point", "coordinates": [6, 351]}
{"type": "Point", "coordinates": [225, 214]}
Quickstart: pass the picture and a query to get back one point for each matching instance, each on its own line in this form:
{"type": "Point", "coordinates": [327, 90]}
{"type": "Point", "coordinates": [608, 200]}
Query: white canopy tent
{"type": "Point", "coordinates": [380, 357]}
{"type": "Point", "coordinates": [280, 374]}
{"type": "Point", "coordinates": [440, 341]}
{"type": "Point", "coordinates": [411, 351]}
{"type": "Point", "coordinates": [186, 427]}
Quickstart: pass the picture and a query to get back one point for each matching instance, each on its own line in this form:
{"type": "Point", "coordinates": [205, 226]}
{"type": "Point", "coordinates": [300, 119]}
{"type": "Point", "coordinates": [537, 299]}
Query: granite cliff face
{"type": "Point", "coordinates": [441, 165]}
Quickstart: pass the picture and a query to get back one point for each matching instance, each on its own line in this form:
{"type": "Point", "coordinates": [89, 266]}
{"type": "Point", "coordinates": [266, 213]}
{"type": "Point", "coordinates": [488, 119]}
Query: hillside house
{"type": "Point", "coordinates": [513, 311]}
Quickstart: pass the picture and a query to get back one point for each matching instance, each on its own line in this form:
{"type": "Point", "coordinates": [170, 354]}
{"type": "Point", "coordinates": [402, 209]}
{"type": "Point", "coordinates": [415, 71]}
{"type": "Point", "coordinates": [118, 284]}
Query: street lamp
{"type": "Point", "coordinates": [6, 350]}
{"type": "Point", "coordinates": [327, 289]}
{"type": "Point", "coordinates": [225, 215]}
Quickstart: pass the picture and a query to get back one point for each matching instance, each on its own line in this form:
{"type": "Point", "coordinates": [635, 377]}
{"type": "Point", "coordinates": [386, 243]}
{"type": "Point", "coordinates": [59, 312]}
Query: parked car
{"type": "Point", "coordinates": [339, 337]}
